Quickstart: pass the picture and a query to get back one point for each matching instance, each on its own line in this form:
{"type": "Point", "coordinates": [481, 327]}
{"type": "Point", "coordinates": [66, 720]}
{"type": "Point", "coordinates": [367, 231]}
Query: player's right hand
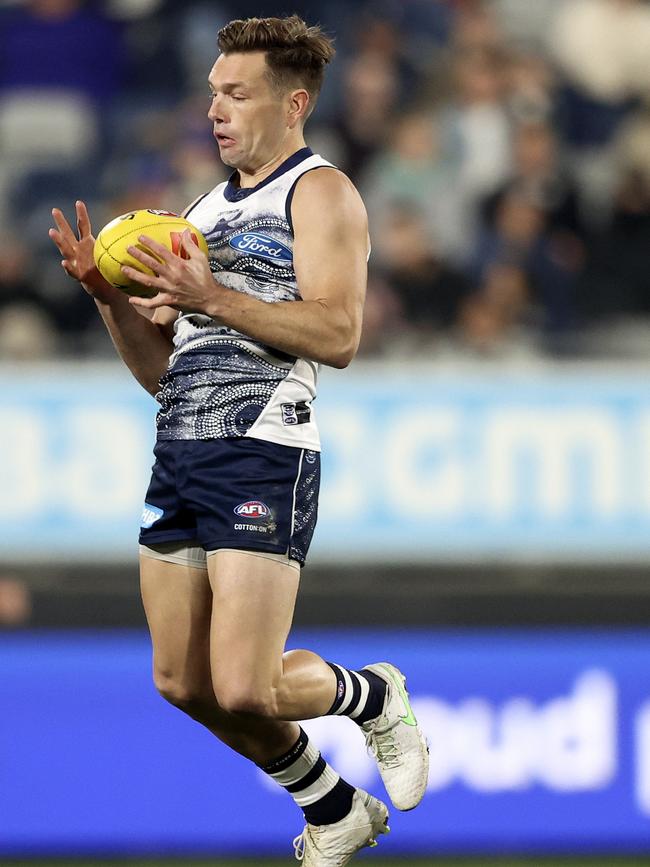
{"type": "Point", "coordinates": [77, 252]}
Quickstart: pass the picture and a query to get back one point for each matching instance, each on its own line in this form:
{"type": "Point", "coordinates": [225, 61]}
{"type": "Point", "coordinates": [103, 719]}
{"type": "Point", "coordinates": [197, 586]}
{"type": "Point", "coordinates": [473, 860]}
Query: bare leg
{"type": "Point", "coordinates": [178, 604]}
{"type": "Point", "coordinates": [254, 600]}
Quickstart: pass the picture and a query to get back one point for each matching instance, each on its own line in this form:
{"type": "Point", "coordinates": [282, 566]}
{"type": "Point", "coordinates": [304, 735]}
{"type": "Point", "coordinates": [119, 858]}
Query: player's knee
{"type": "Point", "coordinates": [182, 694]}
{"type": "Point", "coordinates": [242, 699]}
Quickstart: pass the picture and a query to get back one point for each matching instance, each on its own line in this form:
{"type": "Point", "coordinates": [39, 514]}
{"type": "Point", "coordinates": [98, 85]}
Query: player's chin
{"type": "Point", "coordinates": [228, 158]}
{"type": "Point", "coordinates": [230, 152]}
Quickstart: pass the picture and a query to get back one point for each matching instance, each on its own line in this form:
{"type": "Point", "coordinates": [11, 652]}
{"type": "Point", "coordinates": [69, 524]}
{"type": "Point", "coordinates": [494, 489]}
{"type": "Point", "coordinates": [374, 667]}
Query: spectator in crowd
{"type": "Point", "coordinates": [603, 50]}
{"type": "Point", "coordinates": [543, 271]}
{"type": "Point", "coordinates": [15, 602]}
{"type": "Point", "coordinates": [616, 282]}
{"type": "Point", "coordinates": [531, 88]}
{"type": "Point", "coordinates": [496, 319]}
{"type": "Point", "coordinates": [429, 291]}
{"type": "Point", "coordinates": [476, 120]}
{"type": "Point", "coordinates": [415, 170]}
{"type": "Point", "coordinates": [370, 88]}
{"type": "Point", "coordinates": [538, 174]}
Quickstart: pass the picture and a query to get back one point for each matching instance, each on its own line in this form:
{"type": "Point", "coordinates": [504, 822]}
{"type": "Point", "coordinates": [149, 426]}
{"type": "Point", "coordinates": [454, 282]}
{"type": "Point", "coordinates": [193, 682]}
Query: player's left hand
{"type": "Point", "coordinates": [186, 284]}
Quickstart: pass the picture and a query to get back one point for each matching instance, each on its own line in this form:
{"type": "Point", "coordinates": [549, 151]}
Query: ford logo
{"type": "Point", "coordinates": [261, 245]}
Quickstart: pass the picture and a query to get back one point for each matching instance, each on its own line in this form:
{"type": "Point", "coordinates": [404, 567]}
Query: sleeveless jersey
{"type": "Point", "coordinates": [221, 383]}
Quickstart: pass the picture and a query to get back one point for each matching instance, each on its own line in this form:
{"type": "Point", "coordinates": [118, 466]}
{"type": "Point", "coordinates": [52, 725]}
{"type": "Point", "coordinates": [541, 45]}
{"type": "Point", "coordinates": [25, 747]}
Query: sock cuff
{"type": "Point", "coordinates": [287, 759]}
{"type": "Point", "coordinates": [341, 687]}
{"type": "Point", "coordinates": [351, 692]}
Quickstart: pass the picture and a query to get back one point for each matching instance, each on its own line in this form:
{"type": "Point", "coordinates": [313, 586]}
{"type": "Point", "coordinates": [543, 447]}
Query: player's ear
{"type": "Point", "coordinates": [298, 107]}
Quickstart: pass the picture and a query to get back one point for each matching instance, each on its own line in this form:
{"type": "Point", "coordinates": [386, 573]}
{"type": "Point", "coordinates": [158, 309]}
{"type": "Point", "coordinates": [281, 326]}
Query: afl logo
{"type": "Point", "coordinates": [252, 509]}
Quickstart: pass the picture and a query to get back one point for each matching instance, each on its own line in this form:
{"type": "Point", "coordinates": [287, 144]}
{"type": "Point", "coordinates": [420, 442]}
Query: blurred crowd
{"type": "Point", "coordinates": [502, 148]}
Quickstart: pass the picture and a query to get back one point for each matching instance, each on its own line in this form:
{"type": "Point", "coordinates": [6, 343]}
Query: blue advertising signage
{"type": "Point", "coordinates": [540, 741]}
{"type": "Point", "coordinates": [551, 465]}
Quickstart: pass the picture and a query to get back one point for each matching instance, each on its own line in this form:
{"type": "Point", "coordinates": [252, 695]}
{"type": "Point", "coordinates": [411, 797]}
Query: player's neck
{"type": "Point", "coordinates": [251, 178]}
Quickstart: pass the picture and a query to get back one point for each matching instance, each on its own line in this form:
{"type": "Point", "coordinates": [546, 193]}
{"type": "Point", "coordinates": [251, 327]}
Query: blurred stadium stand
{"type": "Point", "coordinates": [506, 173]}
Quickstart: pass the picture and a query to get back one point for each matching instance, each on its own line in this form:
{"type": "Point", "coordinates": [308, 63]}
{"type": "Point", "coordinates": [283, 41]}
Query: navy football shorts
{"type": "Point", "coordinates": [233, 493]}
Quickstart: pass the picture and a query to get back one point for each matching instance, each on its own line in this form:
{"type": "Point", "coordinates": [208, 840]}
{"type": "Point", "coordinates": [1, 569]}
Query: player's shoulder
{"type": "Point", "coordinates": [326, 188]}
{"type": "Point", "coordinates": [193, 204]}
{"type": "Point", "coordinates": [327, 179]}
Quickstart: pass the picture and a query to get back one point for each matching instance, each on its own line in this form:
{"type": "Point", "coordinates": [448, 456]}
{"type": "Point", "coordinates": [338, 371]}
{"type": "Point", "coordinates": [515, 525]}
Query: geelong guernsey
{"type": "Point", "coordinates": [221, 383]}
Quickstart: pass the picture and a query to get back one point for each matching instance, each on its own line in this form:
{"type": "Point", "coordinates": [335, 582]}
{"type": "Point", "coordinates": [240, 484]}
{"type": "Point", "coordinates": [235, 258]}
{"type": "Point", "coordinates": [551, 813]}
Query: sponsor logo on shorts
{"type": "Point", "coordinates": [252, 509]}
{"type": "Point", "coordinates": [255, 528]}
{"type": "Point", "coordinates": [150, 514]}
{"type": "Point", "coordinates": [261, 245]}
{"type": "Point", "coordinates": [310, 456]}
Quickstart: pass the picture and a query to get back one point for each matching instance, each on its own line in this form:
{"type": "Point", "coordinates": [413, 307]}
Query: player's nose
{"type": "Point", "coordinates": [215, 112]}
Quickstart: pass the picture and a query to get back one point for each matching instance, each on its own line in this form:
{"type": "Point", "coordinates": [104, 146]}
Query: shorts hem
{"type": "Point", "coordinates": [249, 546]}
{"type": "Point", "coordinates": [167, 536]}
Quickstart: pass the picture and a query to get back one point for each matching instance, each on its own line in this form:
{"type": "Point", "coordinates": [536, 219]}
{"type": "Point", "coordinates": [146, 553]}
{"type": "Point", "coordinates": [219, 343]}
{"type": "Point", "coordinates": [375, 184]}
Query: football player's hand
{"type": "Point", "coordinates": [182, 283]}
{"type": "Point", "coordinates": [77, 252]}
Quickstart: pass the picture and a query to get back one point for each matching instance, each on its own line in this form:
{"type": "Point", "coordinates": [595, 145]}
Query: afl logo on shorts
{"type": "Point", "coordinates": [252, 509]}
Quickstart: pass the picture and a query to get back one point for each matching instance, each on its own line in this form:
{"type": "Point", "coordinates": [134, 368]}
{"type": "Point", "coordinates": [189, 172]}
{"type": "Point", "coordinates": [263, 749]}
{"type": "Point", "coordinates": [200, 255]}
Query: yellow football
{"type": "Point", "coordinates": [111, 245]}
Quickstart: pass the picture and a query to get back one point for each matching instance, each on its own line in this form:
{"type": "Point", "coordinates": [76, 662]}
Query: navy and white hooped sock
{"type": "Point", "coordinates": [315, 786]}
{"type": "Point", "coordinates": [359, 694]}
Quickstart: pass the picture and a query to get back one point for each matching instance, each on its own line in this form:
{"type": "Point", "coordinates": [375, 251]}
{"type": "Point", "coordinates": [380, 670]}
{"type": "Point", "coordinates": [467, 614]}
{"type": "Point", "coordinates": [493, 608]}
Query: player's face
{"type": "Point", "coordinates": [249, 117]}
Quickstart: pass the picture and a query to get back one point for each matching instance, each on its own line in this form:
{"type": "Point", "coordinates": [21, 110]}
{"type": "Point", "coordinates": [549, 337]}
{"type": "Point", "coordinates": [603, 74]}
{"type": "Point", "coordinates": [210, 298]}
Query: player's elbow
{"type": "Point", "coordinates": [340, 361]}
{"type": "Point", "coordinates": [342, 354]}
{"type": "Point", "coordinates": [342, 345]}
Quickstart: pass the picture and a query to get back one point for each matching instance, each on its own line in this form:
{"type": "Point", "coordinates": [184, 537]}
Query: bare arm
{"type": "Point", "coordinates": [330, 253]}
{"type": "Point", "coordinates": [143, 342]}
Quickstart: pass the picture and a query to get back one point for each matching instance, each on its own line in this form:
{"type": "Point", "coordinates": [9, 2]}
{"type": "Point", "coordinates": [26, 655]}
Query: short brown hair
{"type": "Point", "coordinates": [295, 52]}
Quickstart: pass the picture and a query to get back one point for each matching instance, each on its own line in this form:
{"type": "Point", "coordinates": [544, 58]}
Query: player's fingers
{"type": "Point", "coordinates": [64, 247]}
{"type": "Point", "coordinates": [63, 226]}
{"type": "Point", "coordinates": [162, 299]}
{"type": "Point", "coordinates": [189, 245]}
{"type": "Point", "coordinates": [83, 219]}
{"type": "Point", "coordinates": [149, 280]}
{"type": "Point", "coordinates": [144, 257]}
{"type": "Point", "coordinates": [160, 251]}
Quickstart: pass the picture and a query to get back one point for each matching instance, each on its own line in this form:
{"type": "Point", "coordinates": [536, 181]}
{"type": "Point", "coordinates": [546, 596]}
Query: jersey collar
{"type": "Point", "coordinates": [234, 193]}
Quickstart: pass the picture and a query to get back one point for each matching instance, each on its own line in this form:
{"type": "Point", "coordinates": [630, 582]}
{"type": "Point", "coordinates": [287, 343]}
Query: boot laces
{"type": "Point", "coordinates": [381, 743]}
{"type": "Point", "coordinates": [299, 845]}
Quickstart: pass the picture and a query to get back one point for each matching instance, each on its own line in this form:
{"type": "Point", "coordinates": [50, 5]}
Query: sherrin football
{"type": "Point", "coordinates": [122, 232]}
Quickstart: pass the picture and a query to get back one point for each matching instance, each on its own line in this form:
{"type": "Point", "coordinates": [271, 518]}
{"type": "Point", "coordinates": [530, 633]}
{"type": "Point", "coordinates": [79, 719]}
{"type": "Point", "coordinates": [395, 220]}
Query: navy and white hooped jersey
{"type": "Point", "coordinates": [221, 383]}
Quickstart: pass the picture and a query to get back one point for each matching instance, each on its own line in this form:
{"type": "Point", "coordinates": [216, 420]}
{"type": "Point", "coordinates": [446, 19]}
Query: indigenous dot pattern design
{"type": "Point", "coordinates": [218, 390]}
{"type": "Point", "coordinates": [306, 512]}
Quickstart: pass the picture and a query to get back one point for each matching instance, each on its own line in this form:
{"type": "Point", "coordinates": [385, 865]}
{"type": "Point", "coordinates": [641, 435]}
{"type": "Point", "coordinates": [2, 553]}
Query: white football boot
{"type": "Point", "coordinates": [397, 743]}
{"type": "Point", "coordinates": [334, 845]}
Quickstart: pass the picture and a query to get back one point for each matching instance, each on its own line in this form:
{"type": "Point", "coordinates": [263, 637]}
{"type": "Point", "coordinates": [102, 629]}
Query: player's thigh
{"type": "Point", "coordinates": [177, 600]}
{"type": "Point", "coordinates": [253, 604]}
